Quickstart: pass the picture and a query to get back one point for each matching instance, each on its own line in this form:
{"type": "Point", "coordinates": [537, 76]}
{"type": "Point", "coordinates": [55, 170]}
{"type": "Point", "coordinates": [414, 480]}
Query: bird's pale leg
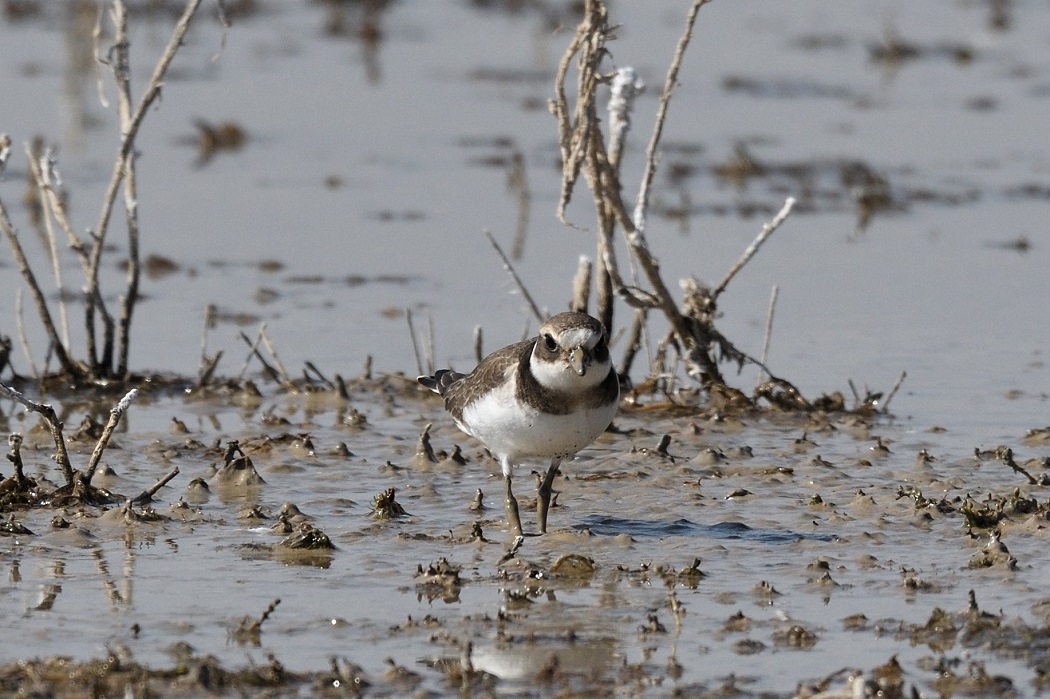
{"type": "Point", "coordinates": [511, 505]}
{"type": "Point", "coordinates": [543, 502]}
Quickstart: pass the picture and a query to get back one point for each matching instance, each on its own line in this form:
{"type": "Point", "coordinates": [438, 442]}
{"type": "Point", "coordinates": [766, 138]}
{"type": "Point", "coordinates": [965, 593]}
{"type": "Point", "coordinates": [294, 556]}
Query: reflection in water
{"type": "Point", "coordinates": [48, 595]}
{"type": "Point", "coordinates": [119, 599]}
{"type": "Point", "coordinates": [364, 27]}
{"type": "Point", "coordinates": [80, 66]}
{"type": "Point", "coordinates": [518, 661]}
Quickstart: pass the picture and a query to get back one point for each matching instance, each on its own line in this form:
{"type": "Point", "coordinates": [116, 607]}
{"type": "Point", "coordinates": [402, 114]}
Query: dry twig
{"type": "Point", "coordinates": [415, 341]}
{"type": "Point", "coordinates": [107, 432]}
{"type": "Point", "coordinates": [769, 328]}
{"type": "Point", "coordinates": [47, 412]}
{"type": "Point", "coordinates": [517, 280]}
{"type": "Point", "coordinates": [767, 230]}
{"type": "Point", "coordinates": [23, 340]}
{"type": "Point", "coordinates": [893, 391]}
{"type": "Point", "coordinates": [69, 366]}
{"type": "Point", "coordinates": [581, 286]}
{"type": "Point", "coordinates": [146, 496]}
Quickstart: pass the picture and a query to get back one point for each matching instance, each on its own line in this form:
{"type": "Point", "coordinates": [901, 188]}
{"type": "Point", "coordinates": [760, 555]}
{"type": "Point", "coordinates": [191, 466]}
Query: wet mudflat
{"type": "Point", "coordinates": [761, 553]}
{"type": "Point", "coordinates": [334, 168]}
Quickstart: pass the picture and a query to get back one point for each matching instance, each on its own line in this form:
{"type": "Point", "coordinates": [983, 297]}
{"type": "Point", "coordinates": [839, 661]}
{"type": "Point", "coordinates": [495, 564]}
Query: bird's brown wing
{"type": "Point", "coordinates": [490, 372]}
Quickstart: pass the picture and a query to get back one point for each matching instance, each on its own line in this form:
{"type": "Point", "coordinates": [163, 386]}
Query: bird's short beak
{"type": "Point", "coordinates": [578, 360]}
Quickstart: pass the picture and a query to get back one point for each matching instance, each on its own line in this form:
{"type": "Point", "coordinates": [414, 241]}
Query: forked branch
{"type": "Point", "coordinates": [584, 149]}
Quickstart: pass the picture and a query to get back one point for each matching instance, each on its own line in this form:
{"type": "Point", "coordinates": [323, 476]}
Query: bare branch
{"type": "Point", "coordinates": [517, 280]}
{"type": "Point", "coordinates": [130, 130]}
{"type": "Point", "coordinates": [253, 351]}
{"type": "Point", "coordinates": [575, 133]}
{"type": "Point", "coordinates": [54, 424]}
{"type": "Point", "coordinates": [767, 230]}
{"type": "Point", "coordinates": [769, 329]}
{"type": "Point", "coordinates": [122, 74]}
{"type": "Point", "coordinates": [428, 346]}
{"type": "Point", "coordinates": [68, 365]}
{"type": "Point", "coordinates": [415, 340]}
{"type": "Point", "coordinates": [893, 391]}
{"type": "Point", "coordinates": [273, 355]}
{"type": "Point", "coordinates": [518, 182]}
{"type": "Point", "coordinates": [107, 432]}
{"type": "Point", "coordinates": [642, 205]}
{"type": "Point", "coordinates": [634, 341]}
{"type": "Point", "coordinates": [130, 120]}
{"type": "Point", "coordinates": [5, 151]}
{"type": "Point", "coordinates": [146, 496]}
{"type": "Point", "coordinates": [581, 285]}
{"type": "Point", "coordinates": [208, 364]}
{"type": "Point", "coordinates": [46, 210]}
{"type": "Point", "coordinates": [22, 339]}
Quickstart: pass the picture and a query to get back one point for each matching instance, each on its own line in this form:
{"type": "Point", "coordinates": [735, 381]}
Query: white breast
{"type": "Point", "coordinates": [509, 429]}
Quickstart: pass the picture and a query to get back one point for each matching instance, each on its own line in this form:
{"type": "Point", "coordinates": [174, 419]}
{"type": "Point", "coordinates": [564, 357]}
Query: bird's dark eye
{"type": "Point", "coordinates": [549, 343]}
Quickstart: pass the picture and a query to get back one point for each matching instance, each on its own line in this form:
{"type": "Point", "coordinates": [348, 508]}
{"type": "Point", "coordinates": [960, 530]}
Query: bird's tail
{"type": "Point", "coordinates": [440, 381]}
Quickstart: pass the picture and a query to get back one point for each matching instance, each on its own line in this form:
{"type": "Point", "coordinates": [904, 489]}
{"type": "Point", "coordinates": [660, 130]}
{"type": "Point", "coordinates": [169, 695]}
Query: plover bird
{"type": "Point", "coordinates": [546, 398]}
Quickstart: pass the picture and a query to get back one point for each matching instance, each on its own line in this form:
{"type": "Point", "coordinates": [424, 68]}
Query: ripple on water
{"type": "Point", "coordinates": [640, 528]}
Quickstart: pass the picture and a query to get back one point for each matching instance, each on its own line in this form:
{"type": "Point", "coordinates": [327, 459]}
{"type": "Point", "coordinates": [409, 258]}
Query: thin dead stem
{"type": "Point", "coordinates": [518, 181]}
{"type": "Point", "coordinates": [634, 341]}
{"type": "Point", "coordinates": [208, 364]}
{"type": "Point", "coordinates": [23, 340]}
{"type": "Point", "coordinates": [428, 345]}
{"type": "Point", "coordinates": [5, 151]}
{"type": "Point", "coordinates": [769, 329]}
{"type": "Point", "coordinates": [581, 285]}
{"type": "Point", "coordinates": [46, 173]}
{"type": "Point", "coordinates": [146, 496]}
{"type": "Point", "coordinates": [47, 412]}
{"type": "Point", "coordinates": [68, 365]}
{"type": "Point", "coordinates": [52, 247]}
{"type": "Point", "coordinates": [253, 351]}
{"type": "Point", "coordinates": [415, 341]}
{"type": "Point", "coordinates": [893, 391]}
{"type": "Point", "coordinates": [107, 432]}
{"type": "Point", "coordinates": [517, 280]}
{"type": "Point", "coordinates": [767, 230]}
{"type": "Point", "coordinates": [285, 378]}
{"type": "Point", "coordinates": [642, 205]}
{"type": "Point", "coordinates": [426, 352]}
{"type": "Point", "coordinates": [574, 133]}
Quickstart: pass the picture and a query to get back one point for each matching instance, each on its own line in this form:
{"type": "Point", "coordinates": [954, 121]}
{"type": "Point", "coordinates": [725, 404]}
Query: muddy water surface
{"type": "Point", "coordinates": [816, 552]}
{"type": "Point", "coordinates": [369, 171]}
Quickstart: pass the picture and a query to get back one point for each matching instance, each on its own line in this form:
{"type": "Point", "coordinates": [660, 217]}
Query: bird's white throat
{"type": "Point", "coordinates": [560, 376]}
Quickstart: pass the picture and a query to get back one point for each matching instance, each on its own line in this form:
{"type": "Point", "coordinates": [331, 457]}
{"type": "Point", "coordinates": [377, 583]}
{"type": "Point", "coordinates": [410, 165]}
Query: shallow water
{"type": "Point", "coordinates": [774, 554]}
{"type": "Point", "coordinates": [370, 173]}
